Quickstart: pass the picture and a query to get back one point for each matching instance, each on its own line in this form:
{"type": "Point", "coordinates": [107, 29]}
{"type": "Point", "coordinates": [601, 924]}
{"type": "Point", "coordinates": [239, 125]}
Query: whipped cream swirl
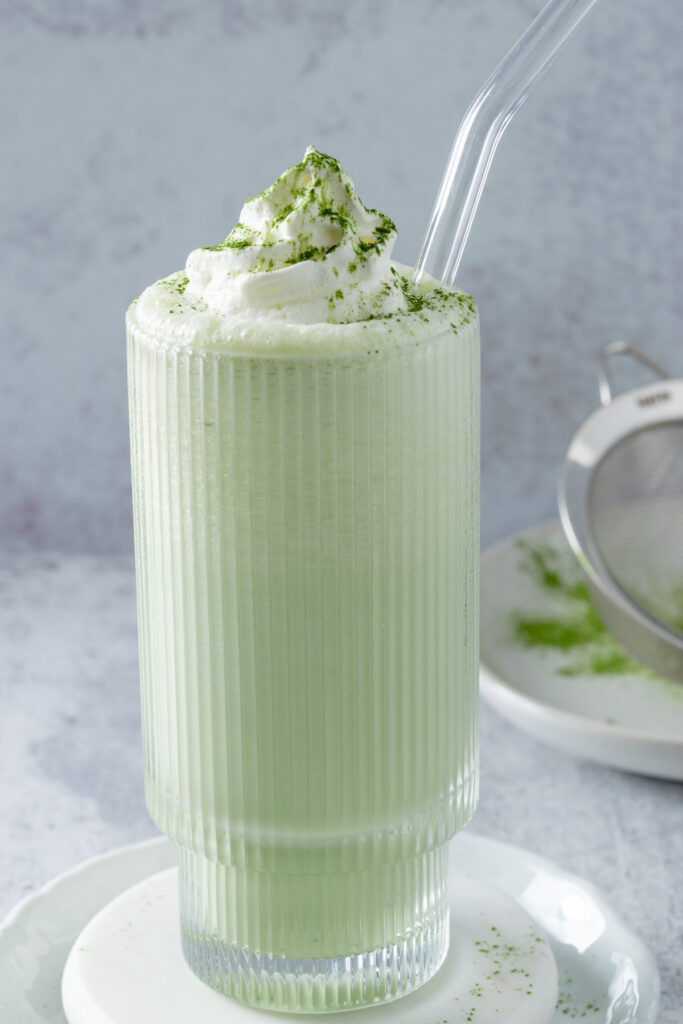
{"type": "Point", "coordinates": [306, 250]}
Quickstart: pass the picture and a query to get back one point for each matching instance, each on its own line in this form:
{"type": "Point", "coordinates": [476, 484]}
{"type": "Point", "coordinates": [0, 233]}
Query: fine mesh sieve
{"type": "Point", "coordinates": [621, 505]}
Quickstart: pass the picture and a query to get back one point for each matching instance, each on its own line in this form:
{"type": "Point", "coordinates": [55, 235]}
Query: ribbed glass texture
{"type": "Point", "coordinates": [307, 551]}
{"type": "Point", "coordinates": [354, 911]}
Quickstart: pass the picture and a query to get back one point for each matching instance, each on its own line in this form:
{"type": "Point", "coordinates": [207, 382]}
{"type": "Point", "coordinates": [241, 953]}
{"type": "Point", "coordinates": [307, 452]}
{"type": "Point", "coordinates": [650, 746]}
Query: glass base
{"type": "Point", "coordinates": [251, 934]}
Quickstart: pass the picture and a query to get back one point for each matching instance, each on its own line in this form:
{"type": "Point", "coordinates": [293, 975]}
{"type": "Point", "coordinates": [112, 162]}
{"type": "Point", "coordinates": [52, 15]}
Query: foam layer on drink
{"type": "Point", "coordinates": [306, 268]}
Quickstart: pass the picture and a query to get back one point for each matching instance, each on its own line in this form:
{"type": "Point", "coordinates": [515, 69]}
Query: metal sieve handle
{"type": "Point", "coordinates": [622, 348]}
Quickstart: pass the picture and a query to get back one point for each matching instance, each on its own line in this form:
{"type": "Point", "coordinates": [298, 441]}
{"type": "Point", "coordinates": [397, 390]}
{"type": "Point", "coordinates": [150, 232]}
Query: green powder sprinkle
{"type": "Point", "coordinates": [283, 214]}
{"type": "Point", "coordinates": [577, 630]}
{"type": "Point", "coordinates": [290, 213]}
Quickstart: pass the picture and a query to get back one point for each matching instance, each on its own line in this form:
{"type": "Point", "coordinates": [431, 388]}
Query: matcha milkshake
{"type": "Point", "coordinates": [304, 431]}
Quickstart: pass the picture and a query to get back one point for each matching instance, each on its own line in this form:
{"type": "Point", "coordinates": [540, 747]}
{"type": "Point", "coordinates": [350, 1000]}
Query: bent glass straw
{"type": "Point", "coordinates": [481, 129]}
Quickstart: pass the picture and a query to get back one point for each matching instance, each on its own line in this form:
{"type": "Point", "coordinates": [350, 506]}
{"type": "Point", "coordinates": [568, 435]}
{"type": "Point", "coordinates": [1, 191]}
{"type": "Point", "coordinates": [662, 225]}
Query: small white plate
{"type": "Point", "coordinates": [127, 967]}
{"type": "Point", "coordinates": [606, 974]}
{"type": "Point", "coordinates": [549, 665]}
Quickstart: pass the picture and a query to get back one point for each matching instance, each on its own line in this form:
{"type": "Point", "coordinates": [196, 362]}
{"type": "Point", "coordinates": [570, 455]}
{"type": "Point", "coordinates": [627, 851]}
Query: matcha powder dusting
{"type": "Point", "coordinates": [577, 629]}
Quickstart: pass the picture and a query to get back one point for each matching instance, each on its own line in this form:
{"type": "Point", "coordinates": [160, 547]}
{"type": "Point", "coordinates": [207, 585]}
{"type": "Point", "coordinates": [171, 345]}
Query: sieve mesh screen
{"type": "Point", "coordinates": [635, 510]}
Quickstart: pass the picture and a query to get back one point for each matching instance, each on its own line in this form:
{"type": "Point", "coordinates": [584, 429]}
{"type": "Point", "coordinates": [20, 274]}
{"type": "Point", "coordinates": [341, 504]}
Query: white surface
{"type": "Point", "coordinates": [605, 972]}
{"type": "Point", "coordinates": [627, 720]}
{"type": "Point", "coordinates": [127, 966]}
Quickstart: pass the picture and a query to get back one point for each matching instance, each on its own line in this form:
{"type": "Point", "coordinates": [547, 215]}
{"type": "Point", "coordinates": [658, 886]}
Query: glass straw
{"type": "Point", "coordinates": [481, 129]}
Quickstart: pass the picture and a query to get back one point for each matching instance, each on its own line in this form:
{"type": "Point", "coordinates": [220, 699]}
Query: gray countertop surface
{"type": "Point", "coordinates": [71, 765]}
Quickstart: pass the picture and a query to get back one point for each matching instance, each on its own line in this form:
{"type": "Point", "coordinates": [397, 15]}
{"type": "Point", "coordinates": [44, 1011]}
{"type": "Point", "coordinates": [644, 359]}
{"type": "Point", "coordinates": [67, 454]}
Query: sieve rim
{"type": "Point", "coordinates": [638, 409]}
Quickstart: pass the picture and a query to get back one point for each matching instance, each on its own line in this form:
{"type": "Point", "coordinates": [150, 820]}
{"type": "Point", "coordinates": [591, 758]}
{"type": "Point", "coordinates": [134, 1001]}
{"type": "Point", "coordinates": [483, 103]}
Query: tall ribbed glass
{"type": "Point", "coordinates": [307, 550]}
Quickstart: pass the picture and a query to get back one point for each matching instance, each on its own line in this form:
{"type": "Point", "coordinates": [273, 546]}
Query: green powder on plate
{"type": "Point", "coordinates": [574, 627]}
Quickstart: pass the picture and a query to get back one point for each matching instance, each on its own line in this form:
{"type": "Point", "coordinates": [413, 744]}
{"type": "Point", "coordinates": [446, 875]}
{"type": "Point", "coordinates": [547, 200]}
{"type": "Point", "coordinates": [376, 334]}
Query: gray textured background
{"type": "Point", "coordinates": [132, 132]}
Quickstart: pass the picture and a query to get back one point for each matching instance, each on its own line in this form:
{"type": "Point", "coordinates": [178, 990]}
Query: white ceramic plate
{"type": "Point", "coordinates": [606, 975]}
{"type": "Point", "coordinates": [127, 967]}
{"type": "Point", "coordinates": [548, 664]}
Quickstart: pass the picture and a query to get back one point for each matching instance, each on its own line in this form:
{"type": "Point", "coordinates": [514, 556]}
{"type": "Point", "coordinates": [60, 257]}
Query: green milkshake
{"type": "Point", "coordinates": [304, 434]}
